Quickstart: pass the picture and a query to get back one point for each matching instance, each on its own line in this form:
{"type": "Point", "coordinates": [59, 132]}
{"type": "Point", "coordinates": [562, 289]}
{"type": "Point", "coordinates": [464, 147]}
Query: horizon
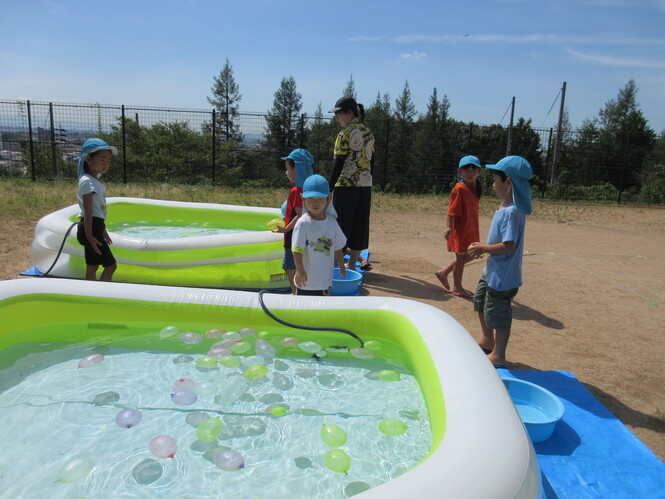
{"type": "Point", "coordinates": [478, 55]}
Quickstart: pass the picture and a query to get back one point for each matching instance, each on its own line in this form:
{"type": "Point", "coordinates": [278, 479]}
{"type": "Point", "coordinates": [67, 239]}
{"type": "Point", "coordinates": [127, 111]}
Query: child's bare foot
{"type": "Point", "coordinates": [486, 347]}
{"type": "Point", "coordinates": [443, 279]}
{"type": "Point", "coordinates": [496, 361]}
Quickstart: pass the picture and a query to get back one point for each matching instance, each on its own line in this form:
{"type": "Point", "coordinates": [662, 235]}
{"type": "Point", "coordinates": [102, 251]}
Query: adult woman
{"type": "Point", "coordinates": [351, 177]}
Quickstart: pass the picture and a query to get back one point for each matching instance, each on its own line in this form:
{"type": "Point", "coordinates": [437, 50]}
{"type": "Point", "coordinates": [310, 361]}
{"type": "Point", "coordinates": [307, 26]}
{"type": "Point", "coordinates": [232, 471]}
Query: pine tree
{"type": "Point", "coordinates": [283, 123]}
{"type": "Point", "coordinates": [225, 99]}
{"type": "Point", "coordinates": [350, 90]}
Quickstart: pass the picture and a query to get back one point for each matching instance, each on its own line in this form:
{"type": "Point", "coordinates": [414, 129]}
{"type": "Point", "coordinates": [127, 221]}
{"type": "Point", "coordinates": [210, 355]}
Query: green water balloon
{"type": "Point", "coordinates": [338, 461]}
{"type": "Point", "coordinates": [209, 429]}
{"type": "Point", "coordinates": [256, 371]}
{"type": "Point", "coordinates": [333, 435]}
{"type": "Point", "coordinates": [388, 375]}
{"type": "Point", "coordinates": [392, 427]}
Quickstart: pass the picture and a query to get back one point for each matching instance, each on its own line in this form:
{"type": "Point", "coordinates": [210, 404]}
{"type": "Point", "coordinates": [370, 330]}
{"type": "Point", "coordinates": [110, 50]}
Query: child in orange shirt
{"type": "Point", "coordinates": [462, 224]}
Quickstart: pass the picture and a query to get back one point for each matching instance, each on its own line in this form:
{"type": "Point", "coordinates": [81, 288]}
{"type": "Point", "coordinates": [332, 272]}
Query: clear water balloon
{"type": "Point", "coordinates": [229, 460]}
{"type": "Point", "coordinates": [91, 360]}
{"type": "Point", "coordinates": [74, 469]}
{"type": "Point", "coordinates": [184, 397]}
{"type": "Point", "coordinates": [128, 418]}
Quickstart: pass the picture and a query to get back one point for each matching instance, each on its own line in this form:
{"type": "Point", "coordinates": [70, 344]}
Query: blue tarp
{"type": "Point", "coordinates": [591, 454]}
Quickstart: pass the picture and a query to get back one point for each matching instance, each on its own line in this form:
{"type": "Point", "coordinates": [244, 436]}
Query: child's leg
{"type": "Point", "coordinates": [487, 342]}
{"type": "Point", "coordinates": [458, 272]}
{"type": "Point", "coordinates": [354, 255]}
{"type": "Point", "coordinates": [291, 275]}
{"type": "Point", "coordinates": [498, 355]}
{"type": "Point", "coordinates": [107, 273]}
{"type": "Point", "coordinates": [91, 272]}
{"type": "Point", "coordinates": [442, 274]}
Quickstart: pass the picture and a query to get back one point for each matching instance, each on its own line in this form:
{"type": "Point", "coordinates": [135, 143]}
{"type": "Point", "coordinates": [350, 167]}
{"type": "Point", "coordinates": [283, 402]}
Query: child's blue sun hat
{"type": "Point", "coordinates": [469, 160]}
{"type": "Point", "coordinates": [315, 186]}
{"type": "Point", "coordinates": [519, 171]}
{"type": "Point", "coordinates": [90, 146]}
{"type": "Point", "coordinates": [303, 160]}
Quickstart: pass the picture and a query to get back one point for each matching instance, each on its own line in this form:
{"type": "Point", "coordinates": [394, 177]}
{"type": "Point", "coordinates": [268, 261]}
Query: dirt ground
{"type": "Point", "coordinates": [593, 300]}
{"type": "Point", "coordinates": [592, 303]}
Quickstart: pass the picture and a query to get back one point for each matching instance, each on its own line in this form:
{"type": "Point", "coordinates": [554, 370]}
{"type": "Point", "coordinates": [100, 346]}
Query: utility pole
{"type": "Point", "coordinates": [559, 133]}
{"type": "Point", "coordinates": [510, 127]}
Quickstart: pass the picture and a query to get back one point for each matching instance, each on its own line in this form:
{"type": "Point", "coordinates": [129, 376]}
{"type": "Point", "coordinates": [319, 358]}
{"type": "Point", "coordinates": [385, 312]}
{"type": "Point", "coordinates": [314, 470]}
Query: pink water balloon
{"type": "Point", "coordinates": [163, 446]}
{"type": "Point", "coordinates": [182, 384]}
{"type": "Point", "coordinates": [91, 360]}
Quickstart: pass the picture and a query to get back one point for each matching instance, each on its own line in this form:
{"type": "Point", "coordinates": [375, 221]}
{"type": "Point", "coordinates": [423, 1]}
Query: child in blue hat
{"type": "Point", "coordinates": [298, 166]}
{"type": "Point", "coordinates": [318, 241]}
{"type": "Point", "coordinates": [502, 276]}
{"type": "Point", "coordinates": [95, 160]}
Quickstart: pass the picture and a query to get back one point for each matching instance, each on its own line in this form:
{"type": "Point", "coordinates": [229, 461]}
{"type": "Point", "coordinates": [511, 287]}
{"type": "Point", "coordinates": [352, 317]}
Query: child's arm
{"type": "Point", "coordinates": [339, 258]}
{"type": "Point", "coordinates": [301, 275]}
{"type": "Point", "coordinates": [449, 227]}
{"type": "Point", "coordinates": [87, 222]}
{"type": "Point", "coordinates": [477, 249]}
{"type": "Point", "coordinates": [292, 223]}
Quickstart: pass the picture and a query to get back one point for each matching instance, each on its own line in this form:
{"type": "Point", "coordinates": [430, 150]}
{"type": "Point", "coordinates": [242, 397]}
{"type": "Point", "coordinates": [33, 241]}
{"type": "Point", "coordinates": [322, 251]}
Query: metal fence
{"type": "Point", "coordinates": [42, 140]}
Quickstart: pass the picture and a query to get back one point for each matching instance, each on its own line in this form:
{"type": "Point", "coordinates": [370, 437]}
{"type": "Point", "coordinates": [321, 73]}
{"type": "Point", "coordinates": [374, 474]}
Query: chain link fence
{"type": "Point", "coordinates": [42, 140]}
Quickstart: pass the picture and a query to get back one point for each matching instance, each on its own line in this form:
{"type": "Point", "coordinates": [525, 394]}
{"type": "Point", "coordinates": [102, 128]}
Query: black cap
{"type": "Point", "coordinates": [345, 104]}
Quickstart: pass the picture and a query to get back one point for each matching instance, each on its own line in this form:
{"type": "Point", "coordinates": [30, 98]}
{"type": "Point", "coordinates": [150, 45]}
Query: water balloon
{"type": "Point", "coordinates": [147, 471]}
{"type": "Point", "coordinates": [218, 353]}
{"type": "Point", "coordinates": [282, 382]}
{"type": "Point", "coordinates": [209, 429]}
{"type": "Point", "coordinates": [373, 345]}
{"type": "Point", "coordinates": [278, 411]}
{"type": "Point", "coordinates": [333, 435]}
{"type": "Point", "coordinates": [241, 347]}
{"type": "Point", "coordinates": [231, 335]}
{"type": "Point", "coordinates": [388, 375]}
{"type": "Point", "coordinates": [289, 341]}
{"type": "Point", "coordinates": [182, 384]}
{"type": "Point", "coordinates": [310, 347]}
{"type": "Point", "coordinates": [230, 362]}
{"type": "Point", "coordinates": [205, 387]}
{"type": "Point", "coordinates": [247, 331]}
{"type": "Point", "coordinates": [106, 398]}
{"type": "Point", "coordinates": [74, 469]}
{"type": "Point", "coordinates": [231, 389]}
{"type": "Point", "coordinates": [274, 224]}
{"type": "Point", "coordinates": [163, 446]}
{"type": "Point", "coordinates": [256, 371]}
{"type": "Point", "coordinates": [184, 397]}
{"type": "Point", "coordinates": [128, 418]}
{"type": "Point", "coordinates": [362, 353]}
{"type": "Point", "coordinates": [264, 349]}
{"type": "Point", "coordinates": [206, 362]}
{"type": "Point", "coordinates": [227, 343]}
{"type": "Point", "coordinates": [91, 360]}
{"type": "Point", "coordinates": [215, 333]}
{"type": "Point", "coordinates": [392, 427]}
{"type": "Point", "coordinates": [169, 331]}
{"type": "Point", "coordinates": [252, 360]}
{"type": "Point", "coordinates": [196, 418]}
{"type": "Point", "coordinates": [338, 461]}
{"type": "Point", "coordinates": [229, 460]}
{"type": "Point", "coordinates": [191, 338]}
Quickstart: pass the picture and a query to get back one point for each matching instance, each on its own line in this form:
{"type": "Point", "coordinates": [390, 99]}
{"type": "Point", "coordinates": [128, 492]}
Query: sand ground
{"type": "Point", "coordinates": [593, 300]}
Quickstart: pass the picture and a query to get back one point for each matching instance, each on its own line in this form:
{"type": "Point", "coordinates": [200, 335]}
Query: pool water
{"type": "Point", "coordinates": [169, 229]}
{"type": "Point", "coordinates": [53, 411]}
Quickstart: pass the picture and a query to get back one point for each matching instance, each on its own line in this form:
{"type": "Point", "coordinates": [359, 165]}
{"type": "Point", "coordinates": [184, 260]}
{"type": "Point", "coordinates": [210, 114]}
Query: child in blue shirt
{"type": "Point", "coordinates": [502, 276]}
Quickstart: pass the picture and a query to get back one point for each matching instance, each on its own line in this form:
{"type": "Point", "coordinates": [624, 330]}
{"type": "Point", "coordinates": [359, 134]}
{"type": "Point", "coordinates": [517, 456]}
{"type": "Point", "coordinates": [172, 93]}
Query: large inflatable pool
{"type": "Point", "coordinates": [172, 243]}
{"type": "Point", "coordinates": [478, 446]}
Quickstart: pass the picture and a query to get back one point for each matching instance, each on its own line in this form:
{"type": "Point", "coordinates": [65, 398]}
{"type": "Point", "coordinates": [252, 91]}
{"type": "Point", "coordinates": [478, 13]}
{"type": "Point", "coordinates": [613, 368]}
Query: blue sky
{"type": "Point", "coordinates": [479, 53]}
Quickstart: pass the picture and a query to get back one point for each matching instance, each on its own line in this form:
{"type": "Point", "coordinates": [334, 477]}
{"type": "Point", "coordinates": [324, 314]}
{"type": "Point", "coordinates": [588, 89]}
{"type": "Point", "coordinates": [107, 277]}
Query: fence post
{"type": "Point", "coordinates": [214, 143]}
{"type": "Point", "coordinates": [124, 144]}
{"type": "Point", "coordinates": [53, 150]}
{"type": "Point", "coordinates": [547, 162]}
{"type": "Point", "coordinates": [385, 156]}
{"type": "Point", "coordinates": [32, 142]}
{"type": "Point", "coordinates": [468, 146]}
{"type": "Point", "coordinates": [303, 117]}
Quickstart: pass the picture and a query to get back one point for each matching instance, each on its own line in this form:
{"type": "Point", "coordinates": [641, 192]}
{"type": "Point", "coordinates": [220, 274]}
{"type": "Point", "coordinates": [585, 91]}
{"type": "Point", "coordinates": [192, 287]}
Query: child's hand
{"type": "Point", "coordinates": [446, 233]}
{"type": "Point", "coordinates": [300, 278]}
{"type": "Point", "coordinates": [95, 244]}
{"type": "Point", "coordinates": [107, 238]}
{"type": "Point", "coordinates": [476, 250]}
{"type": "Point", "coordinates": [281, 230]}
{"type": "Point", "coordinates": [342, 270]}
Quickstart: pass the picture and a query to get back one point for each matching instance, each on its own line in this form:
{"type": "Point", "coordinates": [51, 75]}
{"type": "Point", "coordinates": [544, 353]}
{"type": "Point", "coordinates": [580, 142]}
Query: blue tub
{"type": "Point", "coordinates": [538, 408]}
{"type": "Point", "coordinates": [349, 286]}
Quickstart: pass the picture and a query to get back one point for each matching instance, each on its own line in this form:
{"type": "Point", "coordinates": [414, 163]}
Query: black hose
{"type": "Point", "coordinates": [64, 240]}
{"type": "Point", "coordinates": [307, 328]}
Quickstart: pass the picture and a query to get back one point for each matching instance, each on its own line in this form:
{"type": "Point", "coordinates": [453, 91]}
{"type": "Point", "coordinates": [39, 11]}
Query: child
{"type": "Point", "coordinates": [503, 272]}
{"type": "Point", "coordinates": [318, 241]}
{"type": "Point", "coordinates": [298, 166]}
{"type": "Point", "coordinates": [95, 160]}
{"type": "Point", "coordinates": [462, 223]}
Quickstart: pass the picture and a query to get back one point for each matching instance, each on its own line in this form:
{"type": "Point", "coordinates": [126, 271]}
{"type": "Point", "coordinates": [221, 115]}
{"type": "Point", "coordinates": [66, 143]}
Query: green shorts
{"type": "Point", "coordinates": [495, 305]}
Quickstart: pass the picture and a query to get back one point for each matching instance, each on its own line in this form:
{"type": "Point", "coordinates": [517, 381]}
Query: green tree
{"type": "Point", "coordinates": [377, 118]}
{"type": "Point", "coordinates": [283, 123]}
{"type": "Point", "coordinates": [401, 143]}
{"type": "Point", "coordinates": [321, 141]}
{"type": "Point", "coordinates": [225, 98]}
{"type": "Point", "coordinates": [625, 138]}
{"type": "Point", "coordinates": [350, 90]}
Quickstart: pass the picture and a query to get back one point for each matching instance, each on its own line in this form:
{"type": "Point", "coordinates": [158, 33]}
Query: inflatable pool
{"type": "Point", "coordinates": [478, 445]}
{"type": "Point", "coordinates": [172, 243]}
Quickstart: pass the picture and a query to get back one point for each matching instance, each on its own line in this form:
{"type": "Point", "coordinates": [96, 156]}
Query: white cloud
{"type": "Point", "coordinates": [363, 38]}
{"type": "Point", "coordinates": [414, 56]}
{"type": "Point", "coordinates": [536, 38]}
{"type": "Point", "coordinates": [617, 61]}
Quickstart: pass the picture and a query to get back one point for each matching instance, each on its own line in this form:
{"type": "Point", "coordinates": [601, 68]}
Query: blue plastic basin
{"type": "Point", "coordinates": [348, 286]}
{"type": "Point", "coordinates": [538, 408]}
